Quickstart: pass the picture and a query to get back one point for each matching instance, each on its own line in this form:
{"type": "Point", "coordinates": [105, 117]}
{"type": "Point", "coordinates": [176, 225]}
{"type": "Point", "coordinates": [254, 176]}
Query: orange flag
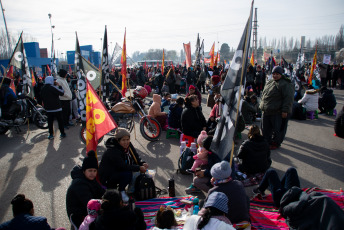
{"type": "Point", "coordinates": [163, 62]}
{"type": "Point", "coordinates": [217, 58]}
{"type": "Point", "coordinates": [252, 59]}
{"type": "Point", "coordinates": [49, 71]}
{"type": "Point", "coordinates": [314, 63]}
{"type": "Point", "coordinates": [33, 79]}
{"type": "Point", "coordinates": [172, 66]}
{"type": "Point", "coordinates": [98, 120]}
{"type": "Point", "coordinates": [10, 76]}
{"type": "Point", "coordinates": [124, 65]}
{"type": "Point", "coordinates": [211, 53]}
{"type": "Point", "coordinates": [70, 70]}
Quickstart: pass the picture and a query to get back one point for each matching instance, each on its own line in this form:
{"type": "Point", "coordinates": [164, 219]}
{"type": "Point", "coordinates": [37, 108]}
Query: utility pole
{"type": "Point", "coordinates": [52, 40]}
{"type": "Point", "coordinates": [8, 37]}
{"type": "Point", "coordinates": [255, 29]}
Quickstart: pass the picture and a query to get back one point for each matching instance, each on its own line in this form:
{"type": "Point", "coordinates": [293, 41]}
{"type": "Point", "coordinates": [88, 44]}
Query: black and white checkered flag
{"type": "Point", "coordinates": [105, 68]}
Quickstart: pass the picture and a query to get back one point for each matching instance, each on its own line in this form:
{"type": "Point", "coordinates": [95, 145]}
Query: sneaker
{"type": "Point", "coordinates": [192, 189]}
{"type": "Point", "coordinates": [190, 171]}
{"type": "Point", "coordinates": [125, 198]}
{"type": "Point", "coordinates": [63, 135]}
{"type": "Point", "coordinates": [50, 137]}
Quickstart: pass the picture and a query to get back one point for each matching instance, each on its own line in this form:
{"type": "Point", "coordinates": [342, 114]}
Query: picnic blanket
{"type": "Point", "coordinates": [265, 216]}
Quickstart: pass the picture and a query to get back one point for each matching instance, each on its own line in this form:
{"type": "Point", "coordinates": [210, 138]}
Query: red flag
{"type": "Point", "coordinates": [314, 63]}
{"type": "Point", "coordinates": [211, 53]}
{"type": "Point", "coordinates": [98, 120]}
{"type": "Point", "coordinates": [10, 76]}
{"type": "Point", "coordinates": [216, 58]}
{"type": "Point", "coordinates": [33, 79]}
{"type": "Point", "coordinates": [70, 70]}
{"type": "Point", "coordinates": [187, 50]}
{"type": "Point", "coordinates": [163, 62]}
{"type": "Point", "coordinates": [124, 65]}
{"type": "Point", "coordinates": [172, 66]}
{"type": "Point", "coordinates": [157, 65]}
{"type": "Point", "coordinates": [49, 71]}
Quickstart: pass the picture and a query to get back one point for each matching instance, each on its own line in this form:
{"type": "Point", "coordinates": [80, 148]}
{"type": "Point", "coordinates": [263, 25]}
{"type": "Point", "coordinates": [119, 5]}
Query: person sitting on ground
{"type": "Point", "coordinates": [165, 102]}
{"type": "Point", "coordinates": [327, 100]}
{"type": "Point", "coordinates": [238, 203]}
{"type": "Point", "coordinates": [164, 219]}
{"type": "Point", "coordinates": [148, 88]}
{"type": "Point", "coordinates": [309, 101]}
{"type": "Point", "coordinates": [93, 208]}
{"type": "Point", "coordinates": [119, 163]}
{"type": "Point", "coordinates": [339, 124]}
{"type": "Point", "coordinates": [175, 114]}
{"type": "Point", "coordinates": [201, 180]}
{"type": "Point", "coordinates": [254, 153]}
{"type": "Point", "coordinates": [214, 216]}
{"type": "Point", "coordinates": [115, 215]}
{"type": "Point", "coordinates": [23, 213]}
{"type": "Point", "coordinates": [194, 91]}
{"type": "Point", "coordinates": [155, 111]}
{"type": "Point", "coordinates": [83, 188]}
{"type": "Point", "coordinates": [193, 120]}
{"type": "Point", "coordinates": [277, 187]}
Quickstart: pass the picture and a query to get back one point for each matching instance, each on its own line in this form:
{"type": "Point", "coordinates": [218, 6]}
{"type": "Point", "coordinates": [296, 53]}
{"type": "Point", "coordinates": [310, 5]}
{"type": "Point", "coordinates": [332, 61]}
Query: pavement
{"type": "Point", "coordinates": [40, 168]}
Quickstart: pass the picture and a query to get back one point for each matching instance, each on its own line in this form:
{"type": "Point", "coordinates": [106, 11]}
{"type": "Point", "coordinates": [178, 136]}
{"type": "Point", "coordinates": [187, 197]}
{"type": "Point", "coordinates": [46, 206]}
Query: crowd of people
{"type": "Point", "coordinates": [98, 195]}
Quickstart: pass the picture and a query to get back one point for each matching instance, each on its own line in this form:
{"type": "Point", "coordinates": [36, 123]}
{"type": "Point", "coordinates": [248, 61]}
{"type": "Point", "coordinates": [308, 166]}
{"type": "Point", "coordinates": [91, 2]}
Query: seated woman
{"type": "Point", "coordinates": [310, 99]}
{"type": "Point", "coordinates": [165, 219]}
{"type": "Point", "coordinates": [254, 152]}
{"type": "Point", "coordinates": [194, 91]}
{"type": "Point", "coordinates": [214, 216]}
{"type": "Point", "coordinates": [119, 162]}
{"type": "Point", "coordinates": [155, 111]}
{"type": "Point", "coordinates": [23, 213]}
{"type": "Point", "coordinates": [115, 215]}
{"type": "Point", "coordinates": [175, 114]}
{"type": "Point", "coordinates": [339, 124]}
{"type": "Point", "coordinates": [215, 113]}
{"type": "Point", "coordinates": [193, 121]}
{"type": "Point", "coordinates": [83, 188]}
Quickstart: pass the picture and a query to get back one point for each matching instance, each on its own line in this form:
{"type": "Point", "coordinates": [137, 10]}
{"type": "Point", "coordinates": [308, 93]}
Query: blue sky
{"type": "Point", "coordinates": [167, 24]}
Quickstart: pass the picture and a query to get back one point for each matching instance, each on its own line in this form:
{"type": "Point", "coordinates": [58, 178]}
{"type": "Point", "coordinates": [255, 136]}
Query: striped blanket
{"type": "Point", "coordinates": [263, 214]}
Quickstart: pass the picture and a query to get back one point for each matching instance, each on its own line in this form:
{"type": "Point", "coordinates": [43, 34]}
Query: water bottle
{"type": "Point", "coordinates": [193, 148]}
{"type": "Point", "coordinates": [195, 210]}
{"type": "Point", "coordinates": [182, 147]}
{"type": "Point", "coordinates": [171, 188]}
{"type": "Point", "coordinates": [131, 203]}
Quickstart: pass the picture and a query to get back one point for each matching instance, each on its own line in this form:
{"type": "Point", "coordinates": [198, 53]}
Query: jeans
{"type": "Point", "coordinates": [51, 116]}
{"type": "Point", "coordinates": [122, 179]}
{"type": "Point", "coordinates": [271, 124]}
{"type": "Point", "coordinates": [277, 187]}
{"type": "Point", "coordinates": [65, 104]}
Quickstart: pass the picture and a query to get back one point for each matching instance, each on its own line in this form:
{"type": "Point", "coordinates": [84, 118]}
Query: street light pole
{"type": "Point", "coordinates": [52, 39]}
{"type": "Point", "coordinates": [8, 37]}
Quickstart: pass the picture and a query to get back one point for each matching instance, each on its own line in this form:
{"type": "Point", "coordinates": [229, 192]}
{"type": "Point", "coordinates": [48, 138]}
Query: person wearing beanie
{"type": "Point", "coordinates": [190, 79]}
{"type": "Point", "coordinates": [213, 215]}
{"type": "Point", "coordinates": [93, 208]}
{"type": "Point", "coordinates": [238, 203]}
{"type": "Point", "coordinates": [50, 96]}
{"type": "Point", "coordinates": [276, 104]}
{"type": "Point", "coordinates": [194, 91]}
{"type": "Point", "coordinates": [66, 98]}
{"type": "Point", "coordinates": [201, 158]}
{"type": "Point", "coordinates": [120, 163]}
{"type": "Point", "coordinates": [83, 188]}
{"type": "Point", "coordinates": [213, 90]}
{"type": "Point", "coordinates": [201, 180]}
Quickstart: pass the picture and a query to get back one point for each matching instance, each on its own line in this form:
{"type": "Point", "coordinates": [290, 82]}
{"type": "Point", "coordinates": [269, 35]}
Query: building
{"type": "Point", "coordinates": [88, 53]}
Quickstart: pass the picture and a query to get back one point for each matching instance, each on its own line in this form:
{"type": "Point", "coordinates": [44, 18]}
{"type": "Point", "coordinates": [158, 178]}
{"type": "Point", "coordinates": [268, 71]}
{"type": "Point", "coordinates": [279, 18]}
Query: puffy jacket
{"type": "Point", "coordinates": [255, 155]}
{"type": "Point", "coordinates": [193, 121]}
{"type": "Point", "coordinates": [155, 108]}
{"type": "Point", "coordinates": [277, 97]}
{"type": "Point", "coordinates": [50, 96]}
{"type": "Point", "coordinates": [80, 191]}
{"type": "Point", "coordinates": [174, 116]}
{"type": "Point", "coordinates": [310, 100]}
{"type": "Point", "coordinates": [27, 222]}
{"type": "Point", "coordinates": [327, 100]}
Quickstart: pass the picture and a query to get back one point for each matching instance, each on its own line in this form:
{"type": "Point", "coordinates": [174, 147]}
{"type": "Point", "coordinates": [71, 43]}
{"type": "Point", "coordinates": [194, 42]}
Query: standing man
{"type": "Point", "coordinates": [66, 98]}
{"type": "Point", "coordinates": [190, 78]}
{"type": "Point", "coordinates": [276, 104]}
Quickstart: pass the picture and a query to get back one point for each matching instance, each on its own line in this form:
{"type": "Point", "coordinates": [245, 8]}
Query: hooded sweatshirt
{"type": "Point", "coordinates": [50, 95]}
{"type": "Point", "coordinates": [155, 109]}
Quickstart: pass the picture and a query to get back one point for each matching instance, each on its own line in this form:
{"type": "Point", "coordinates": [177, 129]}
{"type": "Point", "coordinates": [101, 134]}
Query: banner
{"type": "Point", "coordinates": [105, 68]}
{"type": "Point", "coordinates": [314, 65]}
{"type": "Point", "coordinates": [78, 68]}
{"type": "Point", "coordinates": [163, 62]}
{"type": "Point", "coordinates": [198, 51]}
{"type": "Point", "coordinates": [231, 91]}
{"type": "Point", "coordinates": [187, 50]}
{"type": "Point", "coordinates": [212, 53]}
{"type": "Point", "coordinates": [98, 120]}
{"type": "Point", "coordinates": [327, 59]}
{"type": "Point", "coordinates": [124, 65]}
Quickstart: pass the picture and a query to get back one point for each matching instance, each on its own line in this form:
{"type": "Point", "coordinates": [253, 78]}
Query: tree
{"type": "Point", "coordinates": [340, 38]}
{"type": "Point", "coordinates": [224, 52]}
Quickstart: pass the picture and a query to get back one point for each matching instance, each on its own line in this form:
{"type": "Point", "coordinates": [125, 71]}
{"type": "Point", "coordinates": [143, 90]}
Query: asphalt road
{"type": "Point", "coordinates": [39, 168]}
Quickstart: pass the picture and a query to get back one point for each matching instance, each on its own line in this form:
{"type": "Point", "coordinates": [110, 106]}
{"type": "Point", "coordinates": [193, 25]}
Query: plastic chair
{"type": "Point", "coordinates": [312, 114]}
{"type": "Point", "coordinates": [187, 139]}
{"type": "Point", "coordinates": [171, 132]}
{"type": "Point", "coordinates": [332, 112]}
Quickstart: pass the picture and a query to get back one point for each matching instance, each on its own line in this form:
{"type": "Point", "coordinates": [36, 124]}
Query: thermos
{"type": "Point", "coordinates": [193, 148]}
{"type": "Point", "coordinates": [171, 188]}
{"type": "Point", "coordinates": [182, 147]}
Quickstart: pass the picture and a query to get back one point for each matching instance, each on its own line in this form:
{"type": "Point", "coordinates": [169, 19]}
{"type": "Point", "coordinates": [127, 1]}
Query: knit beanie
{"type": "Point", "coordinates": [201, 137]}
{"type": "Point", "coordinates": [218, 200]}
{"type": "Point", "coordinates": [216, 79]}
{"type": "Point", "coordinates": [192, 87]}
{"type": "Point", "coordinates": [90, 161]}
{"type": "Point", "coordinates": [93, 207]}
{"type": "Point", "coordinates": [207, 142]}
{"type": "Point", "coordinates": [278, 69]}
{"type": "Point", "coordinates": [121, 132]}
{"type": "Point", "coordinates": [221, 170]}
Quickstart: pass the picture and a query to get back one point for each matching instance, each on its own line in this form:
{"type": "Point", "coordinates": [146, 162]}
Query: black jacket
{"type": "Point", "coordinates": [339, 124]}
{"type": "Point", "coordinates": [327, 100]}
{"type": "Point", "coordinates": [255, 155]}
{"type": "Point", "coordinates": [191, 77]}
{"type": "Point", "coordinates": [193, 121]}
{"type": "Point", "coordinates": [174, 116]}
{"type": "Point", "coordinates": [113, 161]}
{"type": "Point", "coordinates": [310, 211]}
{"type": "Point", "coordinates": [50, 97]}
{"type": "Point", "coordinates": [79, 193]}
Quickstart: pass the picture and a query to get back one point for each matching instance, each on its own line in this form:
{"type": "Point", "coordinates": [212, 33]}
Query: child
{"type": "Point", "coordinates": [165, 219]}
{"type": "Point", "coordinates": [93, 207]}
{"type": "Point", "coordinates": [165, 102]}
{"type": "Point", "coordinates": [202, 154]}
{"type": "Point", "coordinates": [155, 111]}
{"type": "Point", "coordinates": [175, 114]}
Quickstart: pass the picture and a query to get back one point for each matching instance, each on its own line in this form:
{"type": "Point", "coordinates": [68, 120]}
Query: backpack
{"type": "Point", "coordinates": [185, 161]}
{"type": "Point", "coordinates": [144, 188]}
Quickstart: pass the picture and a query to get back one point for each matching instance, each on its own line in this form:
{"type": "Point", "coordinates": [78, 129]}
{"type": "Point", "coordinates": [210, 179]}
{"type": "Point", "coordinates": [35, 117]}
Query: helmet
{"type": "Point", "coordinates": [140, 92]}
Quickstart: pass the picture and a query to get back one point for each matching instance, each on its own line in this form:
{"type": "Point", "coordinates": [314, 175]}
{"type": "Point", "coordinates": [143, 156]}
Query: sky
{"type": "Point", "coordinates": [154, 24]}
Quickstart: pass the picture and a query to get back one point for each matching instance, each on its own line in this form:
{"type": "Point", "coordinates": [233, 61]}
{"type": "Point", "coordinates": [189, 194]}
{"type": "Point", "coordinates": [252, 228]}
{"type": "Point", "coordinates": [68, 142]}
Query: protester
{"type": "Point", "coordinates": [37, 89]}
{"type": "Point", "coordinates": [23, 213]}
{"type": "Point", "coordinates": [276, 103]}
{"type": "Point", "coordinates": [335, 73]}
{"type": "Point", "coordinates": [194, 91]}
{"type": "Point", "coordinates": [83, 188]}
{"type": "Point", "coordinates": [178, 81]}
{"type": "Point", "coordinates": [164, 219]}
{"type": "Point", "coordinates": [201, 81]}
{"type": "Point", "coordinates": [339, 124]}
{"type": "Point", "coordinates": [309, 101]}
{"type": "Point", "coordinates": [214, 89]}
{"type": "Point", "coordinates": [171, 80]}
{"type": "Point", "coordinates": [8, 100]}
{"type": "Point", "coordinates": [248, 111]}
{"type": "Point", "coordinates": [254, 153]}
{"type": "Point", "coordinates": [155, 111]}
{"type": "Point", "coordinates": [201, 158]}
{"type": "Point", "coordinates": [65, 98]}
{"type": "Point", "coordinates": [50, 96]}
{"type": "Point", "coordinates": [215, 113]}
{"type": "Point", "coordinates": [115, 215]}
{"type": "Point", "coordinates": [175, 114]}
{"type": "Point", "coordinates": [119, 162]}
{"type": "Point", "coordinates": [93, 208]}
{"type": "Point", "coordinates": [259, 80]}
{"type": "Point", "coordinates": [327, 100]}
{"type": "Point", "coordinates": [165, 102]}
{"type": "Point", "coordinates": [190, 78]}
{"type": "Point", "coordinates": [323, 73]}
{"type": "Point", "coordinates": [214, 216]}
{"type": "Point", "coordinates": [193, 121]}
{"type": "Point", "coordinates": [74, 102]}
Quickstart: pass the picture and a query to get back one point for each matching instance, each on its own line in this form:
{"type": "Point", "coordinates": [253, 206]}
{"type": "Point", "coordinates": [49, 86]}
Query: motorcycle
{"type": "Point", "coordinates": [29, 110]}
{"type": "Point", "coordinates": [124, 112]}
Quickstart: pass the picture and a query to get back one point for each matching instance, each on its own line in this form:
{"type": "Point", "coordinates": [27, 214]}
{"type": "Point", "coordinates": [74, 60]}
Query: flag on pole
{"type": "Point", "coordinates": [172, 66]}
{"type": "Point", "coordinates": [231, 91]}
{"type": "Point", "coordinates": [49, 71]}
{"type": "Point", "coordinates": [252, 59]}
{"type": "Point", "coordinates": [163, 62]}
{"type": "Point", "coordinates": [314, 64]}
{"type": "Point", "coordinates": [70, 70]}
{"type": "Point", "coordinates": [10, 76]}
{"type": "Point", "coordinates": [33, 81]}
{"type": "Point", "coordinates": [187, 50]}
{"type": "Point", "coordinates": [216, 57]}
{"type": "Point", "coordinates": [198, 49]}
{"type": "Point", "coordinates": [124, 65]}
{"type": "Point", "coordinates": [91, 72]}
{"type": "Point", "coordinates": [19, 60]}
{"type": "Point", "coordinates": [105, 68]}
{"type": "Point", "coordinates": [78, 68]}
{"type": "Point", "coordinates": [98, 120]}
{"type": "Point", "coordinates": [211, 53]}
